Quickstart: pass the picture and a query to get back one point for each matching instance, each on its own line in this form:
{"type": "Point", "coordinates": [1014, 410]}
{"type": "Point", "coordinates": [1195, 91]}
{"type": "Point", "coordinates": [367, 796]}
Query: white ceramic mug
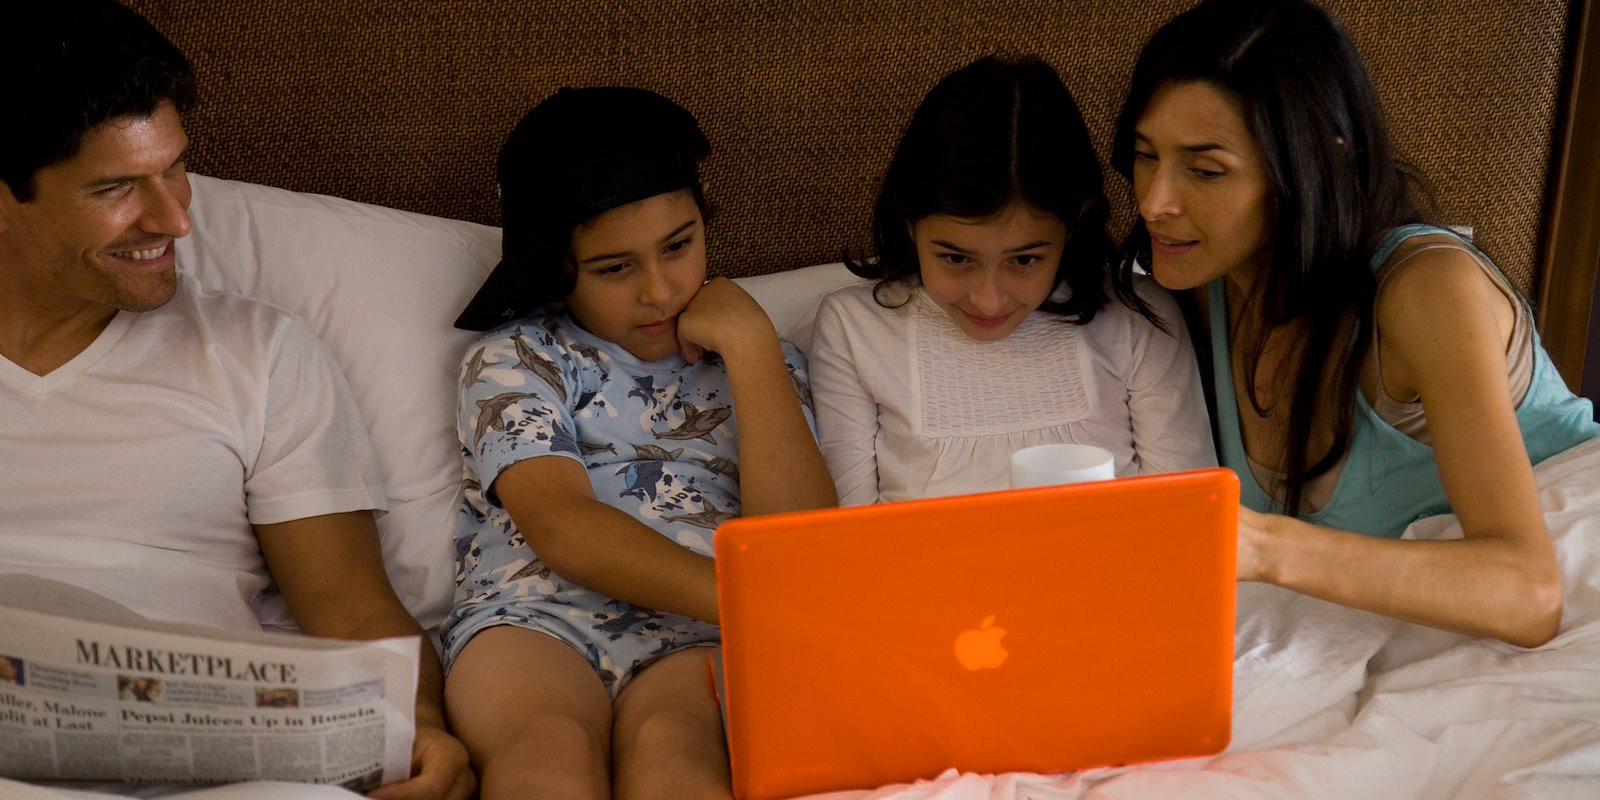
{"type": "Point", "coordinates": [1050, 464]}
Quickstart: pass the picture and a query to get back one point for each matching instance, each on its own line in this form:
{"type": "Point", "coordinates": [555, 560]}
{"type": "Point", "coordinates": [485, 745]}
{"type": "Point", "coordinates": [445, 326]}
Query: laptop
{"type": "Point", "coordinates": [1034, 630]}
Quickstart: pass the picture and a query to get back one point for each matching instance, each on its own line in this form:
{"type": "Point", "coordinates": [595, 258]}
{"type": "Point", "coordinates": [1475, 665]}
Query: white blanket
{"type": "Point", "coordinates": [1335, 703]}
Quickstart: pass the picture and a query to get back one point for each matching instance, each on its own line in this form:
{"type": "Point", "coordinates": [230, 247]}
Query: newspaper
{"type": "Point", "coordinates": [90, 691]}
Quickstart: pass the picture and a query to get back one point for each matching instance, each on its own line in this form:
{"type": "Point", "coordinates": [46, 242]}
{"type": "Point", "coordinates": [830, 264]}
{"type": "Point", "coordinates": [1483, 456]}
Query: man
{"type": "Point", "coordinates": [174, 449]}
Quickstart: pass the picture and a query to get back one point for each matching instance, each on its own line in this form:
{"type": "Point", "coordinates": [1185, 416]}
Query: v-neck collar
{"type": "Point", "coordinates": [13, 373]}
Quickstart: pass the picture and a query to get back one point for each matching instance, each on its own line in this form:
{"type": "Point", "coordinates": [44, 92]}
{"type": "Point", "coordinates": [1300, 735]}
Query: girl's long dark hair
{"type": "Point", "coordinates": [1336, 186]}
{"type": "Point", "coordinates": [993, 133]}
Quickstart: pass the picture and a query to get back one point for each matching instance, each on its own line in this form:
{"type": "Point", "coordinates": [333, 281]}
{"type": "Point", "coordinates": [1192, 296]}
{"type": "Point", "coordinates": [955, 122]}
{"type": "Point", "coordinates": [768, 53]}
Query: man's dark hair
{"type": "Point", "coordinates": [71, 66]}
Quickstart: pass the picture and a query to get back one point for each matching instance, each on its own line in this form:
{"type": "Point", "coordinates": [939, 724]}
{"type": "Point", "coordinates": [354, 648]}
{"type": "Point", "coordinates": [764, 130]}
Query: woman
{"type": "Point", "coordinates": [1369, 370]}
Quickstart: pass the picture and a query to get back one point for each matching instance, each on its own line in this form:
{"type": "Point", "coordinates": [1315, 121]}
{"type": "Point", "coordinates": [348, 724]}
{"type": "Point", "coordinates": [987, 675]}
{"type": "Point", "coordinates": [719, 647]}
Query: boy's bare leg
{"type": "Point", "coordinates": [533, 714]}
{"type": "Point", "coordinates": [668, 736]}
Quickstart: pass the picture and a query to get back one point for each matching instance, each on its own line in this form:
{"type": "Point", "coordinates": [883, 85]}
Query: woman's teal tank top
{"type": "Point", "coordinates": [1389, 479]}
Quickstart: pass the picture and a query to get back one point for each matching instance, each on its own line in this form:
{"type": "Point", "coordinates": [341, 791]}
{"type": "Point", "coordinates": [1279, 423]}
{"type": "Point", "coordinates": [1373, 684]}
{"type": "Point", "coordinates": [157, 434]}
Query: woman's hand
{"type": "Point", "coordinates": [1254, 550]}
{"type": "Point", "coordinates": [1487, 583]}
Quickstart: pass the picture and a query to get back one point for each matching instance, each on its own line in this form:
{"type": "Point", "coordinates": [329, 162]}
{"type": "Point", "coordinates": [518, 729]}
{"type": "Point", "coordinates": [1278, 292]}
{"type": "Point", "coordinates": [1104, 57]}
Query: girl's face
{"type": "Point", "coordinates": [989, 274]}
{"type": "Point", "coordinates": [638, 266]}
{"type": "Point", "coordinates": [1201, 183]}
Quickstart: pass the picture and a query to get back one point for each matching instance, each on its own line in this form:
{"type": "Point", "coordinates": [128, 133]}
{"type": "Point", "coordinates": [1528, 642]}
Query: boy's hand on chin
{"type": "Point", "coordinates": [723, 318]}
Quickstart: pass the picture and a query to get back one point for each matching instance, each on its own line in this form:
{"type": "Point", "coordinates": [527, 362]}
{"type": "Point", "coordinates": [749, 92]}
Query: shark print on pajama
{"type": "Point", "coordinates": [659, 441]}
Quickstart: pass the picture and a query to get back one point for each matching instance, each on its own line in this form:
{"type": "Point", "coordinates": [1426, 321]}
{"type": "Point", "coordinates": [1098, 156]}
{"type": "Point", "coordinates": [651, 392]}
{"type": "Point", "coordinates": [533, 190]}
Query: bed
{"type": "Point", "coordinates": [1329, 702]}
{"type": "Point", "coordinates": [343, 160]}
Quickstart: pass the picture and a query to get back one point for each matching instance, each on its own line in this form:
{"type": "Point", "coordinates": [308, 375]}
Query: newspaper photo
{"type": "Point", "coordinates": [89, 691]}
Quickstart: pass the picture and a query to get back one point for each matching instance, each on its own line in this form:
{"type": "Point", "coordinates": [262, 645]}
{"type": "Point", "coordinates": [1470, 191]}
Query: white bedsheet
{"type": "Point", "coordinates": [1437, 716]}
{"type": "Point", "coordinates": [1335, 703]}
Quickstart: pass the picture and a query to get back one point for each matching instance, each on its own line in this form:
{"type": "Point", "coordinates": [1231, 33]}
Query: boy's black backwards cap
{"type": "Point", "coordinates": [575, 155]}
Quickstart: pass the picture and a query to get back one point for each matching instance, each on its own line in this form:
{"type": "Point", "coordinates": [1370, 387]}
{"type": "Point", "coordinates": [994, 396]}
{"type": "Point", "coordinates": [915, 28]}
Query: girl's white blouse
{"type": "Point", "coordinates": [909, 406]}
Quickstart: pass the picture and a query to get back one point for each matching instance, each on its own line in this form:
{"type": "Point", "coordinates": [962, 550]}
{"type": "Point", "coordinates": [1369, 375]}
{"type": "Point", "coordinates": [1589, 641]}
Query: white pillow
{"type": "Point", "coordinates": [791, 297]}
{"type": "Point", "coordinates": [382, 288]}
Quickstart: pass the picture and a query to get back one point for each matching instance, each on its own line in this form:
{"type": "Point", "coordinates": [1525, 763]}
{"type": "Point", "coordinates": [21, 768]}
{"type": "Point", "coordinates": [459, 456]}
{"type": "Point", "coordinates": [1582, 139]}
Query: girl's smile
{"type": "Point", "coordinates": [989, 274]}
{"type": "Point", "coordinates": [986, 322]}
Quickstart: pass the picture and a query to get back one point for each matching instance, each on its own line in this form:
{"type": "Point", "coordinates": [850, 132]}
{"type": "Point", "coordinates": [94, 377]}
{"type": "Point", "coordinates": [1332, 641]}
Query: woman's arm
{"type": "Point", "coordinates": [847, 415]}
{"type": "Point", "coordinates": [1166, 404]}
{"type": "Point", "coordinates": [780, 468]}
{"type": "Point", "coordinates": [1444, 330]}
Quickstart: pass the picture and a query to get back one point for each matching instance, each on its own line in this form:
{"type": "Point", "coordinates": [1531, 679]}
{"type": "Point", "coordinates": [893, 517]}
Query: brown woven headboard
{"type": "Point", "coordinates": [405, 103]}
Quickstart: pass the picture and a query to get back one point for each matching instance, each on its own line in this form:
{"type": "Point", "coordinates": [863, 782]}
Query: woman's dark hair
{"type": "Point", "coordinates": [994, 133]}
{"type": "Point", "coordinates": [72, 66]}
{"type": "Point", "coordinates": [1336, 185]}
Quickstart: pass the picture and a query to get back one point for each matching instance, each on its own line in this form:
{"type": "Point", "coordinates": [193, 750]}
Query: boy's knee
{"type": "Point", "coordinates": [671, 747]}
{"type": "Point", "coordinates": [669, 729]}
{"type": "Point", "coordinates": [562, 733]}
{"type": "Point", "coordinates": [552, 755]}
{"type": "Point", "coordinates": [545, 739]}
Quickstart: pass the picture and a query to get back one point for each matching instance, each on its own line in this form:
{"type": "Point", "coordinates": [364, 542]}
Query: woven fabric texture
{"type": "Point", "coordinates": [404, 103]}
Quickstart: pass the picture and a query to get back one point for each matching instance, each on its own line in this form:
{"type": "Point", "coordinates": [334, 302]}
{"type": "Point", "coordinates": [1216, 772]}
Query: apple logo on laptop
{"type": "Point", "coordinates": [980, 648]}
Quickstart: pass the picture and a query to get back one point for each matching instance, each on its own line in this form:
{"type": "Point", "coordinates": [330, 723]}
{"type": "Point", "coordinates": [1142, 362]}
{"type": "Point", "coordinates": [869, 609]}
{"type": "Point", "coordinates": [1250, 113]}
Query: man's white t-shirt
{"type": "Point", "coordinates": [136, 469]}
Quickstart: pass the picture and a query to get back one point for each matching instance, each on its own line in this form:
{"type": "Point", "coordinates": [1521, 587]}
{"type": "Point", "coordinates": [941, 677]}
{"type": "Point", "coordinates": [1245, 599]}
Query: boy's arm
{"type": "Point", "coordinates": [780, 467]}
{"type": "Point", "coordinates": [330, 571]}
{"type": "Point", "coordinates": [600, 547]}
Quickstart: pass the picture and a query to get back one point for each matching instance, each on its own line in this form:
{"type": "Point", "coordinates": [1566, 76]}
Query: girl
{"type": "Point", "coordinates": [1369, 370]}
{"type": "Point", "coordinates": [606, 435]}
{"type": "Point", "coordinates": [988, 328]}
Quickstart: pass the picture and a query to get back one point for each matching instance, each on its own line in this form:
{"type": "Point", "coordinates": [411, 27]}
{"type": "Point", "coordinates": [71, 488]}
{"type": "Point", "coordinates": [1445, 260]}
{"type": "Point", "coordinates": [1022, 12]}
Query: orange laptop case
{"type": "Point", "coordinates": [1036, 630]}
